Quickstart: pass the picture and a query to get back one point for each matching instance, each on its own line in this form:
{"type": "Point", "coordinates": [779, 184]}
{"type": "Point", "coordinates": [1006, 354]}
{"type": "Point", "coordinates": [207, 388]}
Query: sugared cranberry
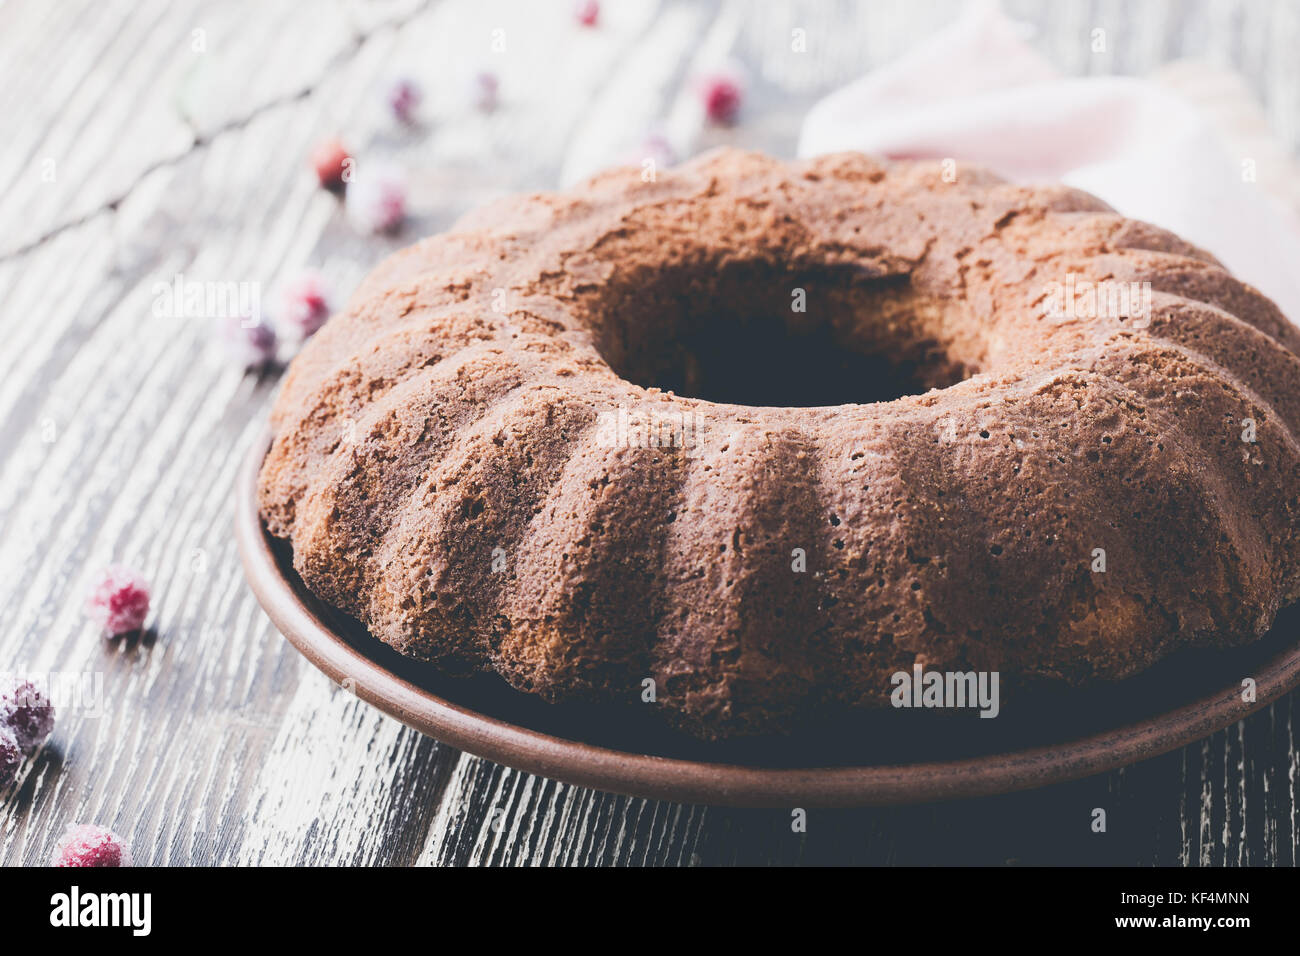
{"type": "Point", "coordinates": [655, 147]}
{"type": "Point", "coordinates": [377, 199]}
{"type": "Point", "coordinates": [304, 305]}
{"type": "Point", "coordinates": [119, 601]}
{"type": "Point", "coordinates": [26, 712]}
{"type": "Point", "coordinates": [722, 94]}
{"type": "Point", "coordinates": [85, 844]}
{"type": "Point", "coordinates": [11, 755]}
{"type": "Point", "coordinates": [332, 162]}
{"type": "Point", "coordinates": [587, 12]}
{"type": "Point", "coordinates": [251, 346]}
{"type": "Point", "coordinates": [404, 99]}
{"type": "Point", "coordinates": [484, 91]}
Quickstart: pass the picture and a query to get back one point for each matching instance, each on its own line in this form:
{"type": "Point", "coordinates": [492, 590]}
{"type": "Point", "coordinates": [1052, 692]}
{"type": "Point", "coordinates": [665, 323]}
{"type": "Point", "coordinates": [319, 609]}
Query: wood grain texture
{"type": "Point", "coordinates": [210, 741]}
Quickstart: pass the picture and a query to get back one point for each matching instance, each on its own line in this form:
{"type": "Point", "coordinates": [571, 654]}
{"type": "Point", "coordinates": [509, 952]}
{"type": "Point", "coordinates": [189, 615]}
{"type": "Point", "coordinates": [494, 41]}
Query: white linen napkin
{"type": "Point", "coordinates": [977, 92]}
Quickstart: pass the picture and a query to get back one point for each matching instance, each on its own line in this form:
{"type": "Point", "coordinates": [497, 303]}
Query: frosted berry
{"type": "Point", "coordinates": [587, 12]}
{"type": "Point", "coordinates": [25, 712]}
{"type": "Point", "coordinates": [332, 163]}
{"type": "Point", "coordinates": [721, 94]}
{"type": "Point", "coordinates": [484, 91]}
{"type": "Point", "coordinates": [654, 147]}
{"type": "Point", "coordinates": [304, 305]}
{"type": "Point", "coordinates": [404, 99]}
{"type": "Point", "coordinates": [85, 844]}
{"type": "Point", "coordinates": [119, 601]}
{"type": "Point", "coordinates": [377, 199]}
{"type": "Point", "coordinates": [251, 346]}
{"type": "Point", "coordinates": [11, 755]}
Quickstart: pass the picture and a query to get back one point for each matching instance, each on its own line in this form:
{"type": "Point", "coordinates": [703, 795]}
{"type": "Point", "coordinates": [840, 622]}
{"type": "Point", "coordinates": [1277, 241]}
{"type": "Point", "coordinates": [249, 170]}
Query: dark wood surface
{"type": "Point", "coordinates": [121, 433]}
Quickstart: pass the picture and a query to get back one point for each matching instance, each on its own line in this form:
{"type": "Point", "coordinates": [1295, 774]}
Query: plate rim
{"type": "Point", "coordinates": [707, 783]}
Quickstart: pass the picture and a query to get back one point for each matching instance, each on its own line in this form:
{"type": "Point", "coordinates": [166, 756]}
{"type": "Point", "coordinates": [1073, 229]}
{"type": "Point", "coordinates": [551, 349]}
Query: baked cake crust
{"type": "Point", "coordinates": [443, 466]}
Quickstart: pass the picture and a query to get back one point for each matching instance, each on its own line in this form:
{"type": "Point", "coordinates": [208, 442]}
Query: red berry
{"type": "Point", "coordinates": [25, 712]}
{"type": "Point", "coordinates": [484, 91]}
{"type": "Point", "coordinates": [377, 199]}
{"type": "Point", "coordinates": [404, 99]}
{"type": "Point", "coordinates": [656, 147]}
{"type": "Point", "coordinates": [252, 346]}
{"type": "Point", "coordinates": [85, 844]}
{"type": "Point", "coordinates": [11, 755]}
{"type": "Point", "coordinates": [119, 601]}
{"type": "Point", "coordinates": [587, 12]}
{"type": "Point", "coordinates": [332, 163]}
{"type": "Point", "coordinates": [304, 305]}
{"type": "Point", "coordinates": [722, 94]}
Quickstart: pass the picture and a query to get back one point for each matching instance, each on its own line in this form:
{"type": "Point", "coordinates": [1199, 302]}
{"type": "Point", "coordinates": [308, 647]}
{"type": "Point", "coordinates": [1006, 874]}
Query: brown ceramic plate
{"type": "Point", "coordinates": [889, 757]}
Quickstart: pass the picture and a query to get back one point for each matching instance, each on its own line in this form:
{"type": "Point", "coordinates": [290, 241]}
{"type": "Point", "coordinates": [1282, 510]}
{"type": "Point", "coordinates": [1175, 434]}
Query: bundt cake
{"type": "Point", "coordinates": [766, 433]}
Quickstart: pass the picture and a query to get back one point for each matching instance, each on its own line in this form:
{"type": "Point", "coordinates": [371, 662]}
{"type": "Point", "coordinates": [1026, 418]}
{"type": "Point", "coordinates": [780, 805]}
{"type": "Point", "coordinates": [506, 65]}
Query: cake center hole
{"type": "Point", "coordinates": [745, 334]}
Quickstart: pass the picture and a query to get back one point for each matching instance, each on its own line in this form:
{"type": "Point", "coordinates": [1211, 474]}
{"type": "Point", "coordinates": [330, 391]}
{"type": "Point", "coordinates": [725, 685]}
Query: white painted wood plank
{"type": "Point", "coordinates": [216, 743]}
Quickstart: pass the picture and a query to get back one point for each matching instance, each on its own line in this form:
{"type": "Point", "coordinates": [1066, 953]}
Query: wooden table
{"type": "Point", "coordinates": [144, 140]}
